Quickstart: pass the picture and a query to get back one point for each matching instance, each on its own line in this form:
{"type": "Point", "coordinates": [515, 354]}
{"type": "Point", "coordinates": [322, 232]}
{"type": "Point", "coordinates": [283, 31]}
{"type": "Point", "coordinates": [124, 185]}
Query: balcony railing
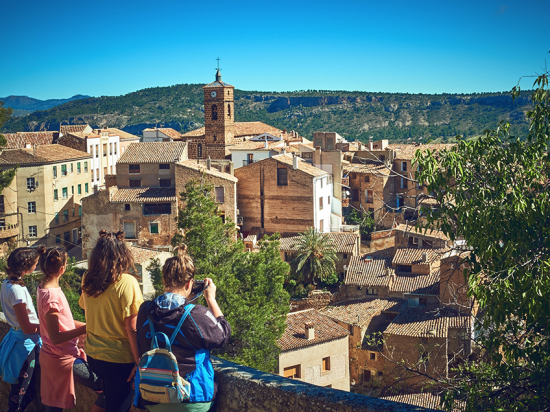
{"type": "Point", "coordinates": [9, 230]}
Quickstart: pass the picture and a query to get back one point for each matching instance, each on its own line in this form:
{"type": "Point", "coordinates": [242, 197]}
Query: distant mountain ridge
{"type": "Point", "coordinates": [353, 114]}
{"type": "Point", "coordinates": [31, 104]}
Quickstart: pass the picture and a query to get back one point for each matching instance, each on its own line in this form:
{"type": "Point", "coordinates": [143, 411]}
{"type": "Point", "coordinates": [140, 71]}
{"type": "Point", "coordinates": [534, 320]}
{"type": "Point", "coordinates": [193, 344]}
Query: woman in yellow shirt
{"type": "Point", "coordinates": [111, 299]}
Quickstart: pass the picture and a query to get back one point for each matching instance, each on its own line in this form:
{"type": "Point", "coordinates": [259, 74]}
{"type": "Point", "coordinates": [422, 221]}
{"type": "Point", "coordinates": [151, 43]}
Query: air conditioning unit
{"type": "Point", "coordinates": [239, 220]}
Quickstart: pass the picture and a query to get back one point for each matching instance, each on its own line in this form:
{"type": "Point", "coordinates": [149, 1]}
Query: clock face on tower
{"type": "Point", "coordinates": [213, 94]}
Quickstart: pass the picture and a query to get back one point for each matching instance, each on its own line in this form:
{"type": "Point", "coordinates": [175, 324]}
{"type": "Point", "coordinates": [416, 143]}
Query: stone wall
{"type": "Point", "coordinates": [246, 389]}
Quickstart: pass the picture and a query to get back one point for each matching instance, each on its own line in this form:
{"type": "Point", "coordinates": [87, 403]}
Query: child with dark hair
{"type": "Point", "coordinates": [63, 363]}
{"type": "Point", "coordinates": [20, 347]}
{"type": "Point", "coordinates": [111, 298]}
{"type": "Point", "coordinates": [202, 330]}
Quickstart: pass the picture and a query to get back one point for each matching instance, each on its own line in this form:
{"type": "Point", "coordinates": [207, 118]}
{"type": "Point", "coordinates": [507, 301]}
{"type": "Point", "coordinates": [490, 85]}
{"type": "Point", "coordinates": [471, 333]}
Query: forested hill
{"type": "Point", "coordinates": [354, 115]}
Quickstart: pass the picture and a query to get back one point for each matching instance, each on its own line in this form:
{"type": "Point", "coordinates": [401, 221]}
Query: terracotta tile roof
{"type": "Point", "coordinates": [252, 235]}
{"type": "Point", "coordinates": [294, 336]}
{"type": "Point", "coordinates": [217, 84]}
{"type": "Point", "coordinates": [303, 166]}
{"type": "Point", "coordinates": [189, 164]}
{"type": "Point", "coordinates": [113, 131]}
{"type": "Point", "coordinates": [287, 149]}
{"type": "Point", "coordinates": [73, 128]}
{"type": "Point", "coordinates": [254, 145]}
{"type": "Point", "coordinates": [360, 312]}
{"type": "Point", "coordinates": [407, 151]}
{"type": "Point", "coordinates": [143, 255]}
{"type": "Point", "coordinates": [44, 154]}
{"type": "Point", "coordinates": [417, 284]}
{"type": "Point", "coordinates": [423, 400]}
{"type": "Point", "coordinates": [373, 272]}
{"type": "Point", "coordinates": [369, 167]}
{"type": "Point", "coordinates": [344, 242]}
{"type": "Point", "coordinates": [153, 152]}
{"type": "Point", "coordinates": [409, 256]}
{"type": "Point", "coordinates": [144, 195]}
{"type": "Point", "coordinates": [428, 322]}
{"type": "Point", "coordinates": [242, 129]}
{"type": "Point", "coordinates": [437, 234]}
{"type": "Point", "coordinates": [20, 140]}
{"type": "Point", "coordinates": [168, 131]}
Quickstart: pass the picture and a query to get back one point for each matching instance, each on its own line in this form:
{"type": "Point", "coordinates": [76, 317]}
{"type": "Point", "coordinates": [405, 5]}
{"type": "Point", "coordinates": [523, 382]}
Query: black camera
{"type": "Point", "coordinates": [198, 287]}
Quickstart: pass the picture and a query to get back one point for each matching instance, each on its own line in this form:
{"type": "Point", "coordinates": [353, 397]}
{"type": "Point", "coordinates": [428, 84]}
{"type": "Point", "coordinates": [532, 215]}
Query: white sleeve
{"type": "Point", "coordinates": [18, 294]}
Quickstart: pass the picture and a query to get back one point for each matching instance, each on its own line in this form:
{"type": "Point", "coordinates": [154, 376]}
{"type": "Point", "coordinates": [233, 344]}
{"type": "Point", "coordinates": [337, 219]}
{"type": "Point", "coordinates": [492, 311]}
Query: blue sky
{"type": "Point", "coordinates": [60, 48]}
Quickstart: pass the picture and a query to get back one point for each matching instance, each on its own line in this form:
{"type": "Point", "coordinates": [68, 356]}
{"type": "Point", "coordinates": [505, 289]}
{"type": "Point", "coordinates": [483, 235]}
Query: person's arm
{"type": "Point", "coordinates": [131, 325]}
{"type": "Point", "coordinates": [210, 297]}
{"type": "Point", "coordinates": [56, 336]}
{"type": "Point", "coordinates": [23, 319]}
{"type": "Point", "coordinates": [79, 323]}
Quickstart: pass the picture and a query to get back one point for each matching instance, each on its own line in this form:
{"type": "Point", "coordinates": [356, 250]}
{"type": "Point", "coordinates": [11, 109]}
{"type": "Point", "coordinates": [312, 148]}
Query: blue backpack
{"type": "Point", "coordinates": [158, 378]}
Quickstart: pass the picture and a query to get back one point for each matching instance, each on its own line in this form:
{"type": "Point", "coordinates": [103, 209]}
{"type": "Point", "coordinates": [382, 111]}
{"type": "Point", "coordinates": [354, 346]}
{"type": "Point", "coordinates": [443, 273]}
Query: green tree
{"type": "Point", "coordinates": [6, 176]}
{"type": "Point", "coordinates": [316, 256]}
{"type": "Point", "coordinates": [249, 285]}
{"type": "Point", "coordinates": [365, 222]}
{"type": "Point", "coordinates": [156, 276]}
{"type": "Point", "coordinates": [494, 193]}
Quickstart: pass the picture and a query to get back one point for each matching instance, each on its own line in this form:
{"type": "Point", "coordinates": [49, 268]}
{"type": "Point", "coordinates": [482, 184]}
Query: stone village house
{"type": "Point", "coordinates": [143, 198]}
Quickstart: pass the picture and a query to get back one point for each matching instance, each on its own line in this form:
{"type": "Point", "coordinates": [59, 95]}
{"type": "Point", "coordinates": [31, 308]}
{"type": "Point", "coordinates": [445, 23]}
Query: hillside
{"type": "Point", "coordinates": [355, 115]}
{"type": "Point", "coordinates": [23, 105]}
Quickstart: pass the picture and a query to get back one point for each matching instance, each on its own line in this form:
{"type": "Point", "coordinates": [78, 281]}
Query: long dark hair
{"type": "Point", "coordinates": [51, 261]}
{"type": "Point", "coordinates": [20, 260]}
{"type": "Point", "coordinates": [109, 260]}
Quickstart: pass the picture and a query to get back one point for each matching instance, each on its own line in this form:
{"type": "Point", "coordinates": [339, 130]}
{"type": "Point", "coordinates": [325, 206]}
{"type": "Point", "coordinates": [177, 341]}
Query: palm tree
{"type": "Point", "coordinates": [316, 258]}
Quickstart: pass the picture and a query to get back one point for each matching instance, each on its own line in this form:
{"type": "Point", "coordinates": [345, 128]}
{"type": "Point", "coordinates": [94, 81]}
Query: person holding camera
{"type": "Point", "coordinates": [195, 330]}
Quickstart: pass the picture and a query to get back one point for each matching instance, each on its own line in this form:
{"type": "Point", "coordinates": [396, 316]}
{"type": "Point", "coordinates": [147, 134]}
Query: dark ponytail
{"type": "Point", "coordinates": [51, 261]}
{"type": "Point", "coordinates": [19, 261]}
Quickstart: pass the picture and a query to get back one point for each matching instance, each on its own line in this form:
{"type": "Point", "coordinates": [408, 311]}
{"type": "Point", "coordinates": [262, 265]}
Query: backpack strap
{"type": "Point", "coordinates": [151, 327]}
{"type": "Point", "coordinates": [180, 323]}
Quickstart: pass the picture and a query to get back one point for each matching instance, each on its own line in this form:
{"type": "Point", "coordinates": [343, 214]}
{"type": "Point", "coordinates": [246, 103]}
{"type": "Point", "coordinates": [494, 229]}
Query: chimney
{"type": "Point", "coordinates": [208, 163]}
{"type": "Point", "coordinates": [370, 146]}
{"type": "Point", "coordinates": [34, 150]}
{"type": "Point", "coordinates": [294, 161]}
{"type": "Point", "coordinates": [424, 257]}
{"type": "Point", "coordinates": [265, 143]}
{"type": "Point", "coordinates": [284, 150]}
{"type": "Point", "coordinates": [284, 131]}
{"type": "Point", "coordinates": [231, 169]}
{"type": "Point", "coordinates": [310, 331]}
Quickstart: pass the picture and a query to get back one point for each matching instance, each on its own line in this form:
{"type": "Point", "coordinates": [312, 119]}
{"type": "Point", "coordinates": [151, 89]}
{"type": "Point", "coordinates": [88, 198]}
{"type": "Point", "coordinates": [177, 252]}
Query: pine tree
{"type": "Point", "coordinates": [249, 285]}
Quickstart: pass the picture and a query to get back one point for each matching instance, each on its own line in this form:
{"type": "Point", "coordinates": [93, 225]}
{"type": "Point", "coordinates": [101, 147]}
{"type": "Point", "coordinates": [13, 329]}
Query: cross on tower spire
{"type": "Point", "coordinates": [218, 59]}
{"type": "Point", "coordinates": [218, 74]}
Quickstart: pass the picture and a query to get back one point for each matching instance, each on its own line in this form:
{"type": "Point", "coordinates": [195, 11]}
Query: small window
{"type": "Point", "coordinates": [129, 229]}
{"type": "Point", "coordinates": [165, 182]}
{"type": "Point", "coordinates": [31, 207]}
{"type": "Point", "coordinates": [135, 182]}
{"type": "Point", "coordinates": [67, 237]}
{"type": "Point", "coordinates": [72, 190]}
{"type": "Point", "coordinates": [404, 268]}
{"type": "Point", "coordinates": [56, 218]}
{"type": "Point", "coordinates": [30, 183]}
{"type": "Point", "coordinates": [373, 356]}
{"type": "Point", "coordinates": [321, 180]}
{"type": "Point", "coordinates": [133, 168]}
{"type": "Point", "coordinates": [367, 179]}
{"type": "Point", "coordinates": [320, 203]}
{"type": "Point", "coordinates": [154, 228]}
{"type": "Point", "coordinates": [403, 183]}
{"type": "Point", "coordinates": [229, 110]}
{"type": "Point", "coordinates": [78, 167]}
{"type": "Point", "coordinates": [104, 149]}
{"type": "Point", "coordinates": [199, 150]}
{"type": "Point", "coordinates": [345, 255]}
{"type": "Point", "coordinates": [63, 170]}
{"type": "Point", "coordinates": [380, 374]}
{"type": "Point", "coordinates": [85, 187]}
{"type": "Point", "coordinates": [65, 215]}
{"type": "Point", "coordinates": [328, 200]}
{"type": "Point", "coordinates": [55, 194]}
{"type": "Point", "coordinates": [72, 169]}
{"type": "Point", "coordinates": [55, 172]}
{"type": "Point", "coordinates": [96, 150]}
{"type": "Point", "coordinates": [382, 158]}
{"type": "Point", "coordinates": [355, 195]}
{"type": "Point", "coordinates": [65, 193]}
{"type": "Point", "coordinates": [57, 239]}
{"type": "Point", "coordinates": [293, 372]}
{"type": "Point", "coordinates": [85, 166]}
{"type": "Point", "coordinates": [369, 196]}
{"type": "Point", "coordinates": [366, 376]}
{"type": "Point", "coordinates": [371, 291]}
{"type": "Point", "coordinates": [282, 176]}
{"type": "Point", "coordinates": [422, 301]}
{"type": "Point", "coordinates": [220, 194]}
{"type": "Point", "coordinates": [403, 166]}
{"type": "Point", "coordinates": [164, 166]}
{"type": "Point", "coordinates": [350, 328]}
{"type": "Point", "coordinates": [321, 225]}
{"type": "Point", "coordinates": [80, 211]}
{"type": "Point", "coordinates": [326, 364]}
{"type": "Point", "coordinates": [353, 176]}
{"type": "Point", "coordinates": [215, 112]}
{"type": "Point", "coordinates": [157, 209]}
{"type": "Point", "coordinates": [79, 189]}
{"type": "Point", "coordinates": [33, 231]}
{"type": "Point", "coordinates": [127, 207]}
{"type": "Point", "coordinates": [73, 212]}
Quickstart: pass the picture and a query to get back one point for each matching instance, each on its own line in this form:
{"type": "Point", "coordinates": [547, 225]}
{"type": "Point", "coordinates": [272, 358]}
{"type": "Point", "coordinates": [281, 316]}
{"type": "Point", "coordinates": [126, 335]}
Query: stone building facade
{"type": "Point", "coordinates": [44, 199]}
{"type": "Point", "coordinates": [314, 349]}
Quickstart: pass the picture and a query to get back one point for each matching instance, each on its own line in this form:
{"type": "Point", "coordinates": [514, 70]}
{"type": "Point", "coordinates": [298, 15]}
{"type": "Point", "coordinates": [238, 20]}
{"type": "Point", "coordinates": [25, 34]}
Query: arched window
{"type": "Point", "coordinates": [199, 150]}
{"type": "Point", "coordinates": [214, 112]}
{"type": "Point", "coordinates": [229, 110]}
